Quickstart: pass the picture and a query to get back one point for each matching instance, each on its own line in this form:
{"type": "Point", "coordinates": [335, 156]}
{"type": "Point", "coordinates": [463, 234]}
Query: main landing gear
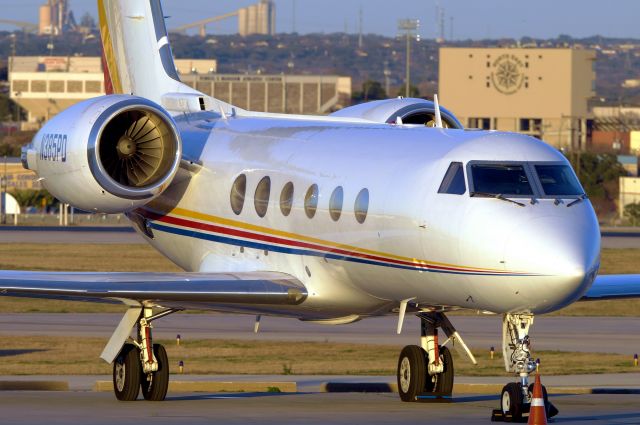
{"type": "Point", "coordinates": [515, 400]}
{"type": "Point", "coordinates": [426, 372]}
{"type": "Point", "coordinates": [141, 364]}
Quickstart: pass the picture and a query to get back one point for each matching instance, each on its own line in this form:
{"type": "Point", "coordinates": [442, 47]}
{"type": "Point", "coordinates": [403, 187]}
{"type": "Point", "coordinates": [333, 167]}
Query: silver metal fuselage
{"type": "Point", "coordinates": [439, 250]}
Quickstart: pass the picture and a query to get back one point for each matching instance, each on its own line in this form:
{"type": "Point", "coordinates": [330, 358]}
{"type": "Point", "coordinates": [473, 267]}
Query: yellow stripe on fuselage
{"type": "Point", "coordinates": [165, 209]}
{"type": "Point", "coordinates": [107, 45]}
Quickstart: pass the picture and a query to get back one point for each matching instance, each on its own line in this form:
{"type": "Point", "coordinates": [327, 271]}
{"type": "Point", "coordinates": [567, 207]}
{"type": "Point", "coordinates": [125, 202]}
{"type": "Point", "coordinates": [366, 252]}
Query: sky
{"type": "Point", "coordinates": [473, 19]}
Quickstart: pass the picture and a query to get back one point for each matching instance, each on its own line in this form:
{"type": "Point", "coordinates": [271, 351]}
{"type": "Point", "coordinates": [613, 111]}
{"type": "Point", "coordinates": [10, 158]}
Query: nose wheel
{"type": "Point", "coordinates": [512, 403]}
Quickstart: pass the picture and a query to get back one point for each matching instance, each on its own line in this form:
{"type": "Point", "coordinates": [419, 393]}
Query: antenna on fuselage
{"type": "Point", "coordinates": [437, 107]}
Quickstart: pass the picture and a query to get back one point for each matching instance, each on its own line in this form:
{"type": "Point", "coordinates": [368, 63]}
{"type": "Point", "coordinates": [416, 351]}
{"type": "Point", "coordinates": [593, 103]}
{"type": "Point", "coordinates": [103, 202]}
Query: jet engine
{"type": "Point", "coordinates": [107, 154]}
{"type": "Point", "coordinates": [406, 110]}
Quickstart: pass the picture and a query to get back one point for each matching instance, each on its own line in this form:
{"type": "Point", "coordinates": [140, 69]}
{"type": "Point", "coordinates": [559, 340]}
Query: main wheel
{"type": "Point", "coordinates": [511, 402]}
{"type": "Point", "coordinates": [444, 381]}
{"type": "Point", "coordinates": [412, 372]}
{"type": "Point", "coordinates": [126, 373]}
{"type": "Point", "coordinates": [154, 385]}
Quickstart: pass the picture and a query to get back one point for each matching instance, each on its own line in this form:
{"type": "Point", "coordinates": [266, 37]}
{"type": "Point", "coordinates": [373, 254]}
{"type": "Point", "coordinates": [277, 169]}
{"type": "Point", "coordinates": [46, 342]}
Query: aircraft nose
{"type": "Point", "coordinates": [565, 250]}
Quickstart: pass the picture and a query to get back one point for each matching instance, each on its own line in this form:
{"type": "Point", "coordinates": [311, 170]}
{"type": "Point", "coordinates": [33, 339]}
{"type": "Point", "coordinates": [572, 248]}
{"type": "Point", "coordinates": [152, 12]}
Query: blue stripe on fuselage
{"type": "Point", "coordinates": [296, 251]}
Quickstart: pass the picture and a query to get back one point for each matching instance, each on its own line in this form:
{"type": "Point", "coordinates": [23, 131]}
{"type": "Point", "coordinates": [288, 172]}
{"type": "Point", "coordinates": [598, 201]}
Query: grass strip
{"type": "Point", "coordinates": [79, 356]}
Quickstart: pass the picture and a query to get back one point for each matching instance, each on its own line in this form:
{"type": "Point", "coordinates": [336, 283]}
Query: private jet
{"type": "Point", "coordinates": [384, 208]}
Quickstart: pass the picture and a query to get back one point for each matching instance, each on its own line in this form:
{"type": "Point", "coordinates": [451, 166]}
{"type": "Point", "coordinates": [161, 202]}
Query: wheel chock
{"type": "Point", "coordinates": [498, 416]}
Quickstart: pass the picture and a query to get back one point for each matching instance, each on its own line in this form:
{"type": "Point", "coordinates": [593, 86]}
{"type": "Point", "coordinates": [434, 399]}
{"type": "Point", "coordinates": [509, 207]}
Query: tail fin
{"type": "Point", "coordinates": [137, 54]}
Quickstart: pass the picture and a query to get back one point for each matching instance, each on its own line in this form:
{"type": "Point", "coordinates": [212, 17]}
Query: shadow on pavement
{"type": "Point", "coordinates": [611, 417]}
{"type": "Point", "coordinates": [214, 396]}
{"type": "Point", "coordinates": [18, 351]}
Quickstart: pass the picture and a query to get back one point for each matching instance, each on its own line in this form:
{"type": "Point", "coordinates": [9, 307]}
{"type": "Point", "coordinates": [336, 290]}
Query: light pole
{"type": "Point", "coordinates": [410, 28]}
{"type": "Point", "coordinates": [3, 195]}
{"type": "Point", "coordinates": [387, 75]}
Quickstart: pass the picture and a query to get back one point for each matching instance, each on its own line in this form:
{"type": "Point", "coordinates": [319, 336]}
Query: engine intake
{"type": "Point", "coordinates": [107, 154]}
{"type": "Point", "coordinates": [137, 148]}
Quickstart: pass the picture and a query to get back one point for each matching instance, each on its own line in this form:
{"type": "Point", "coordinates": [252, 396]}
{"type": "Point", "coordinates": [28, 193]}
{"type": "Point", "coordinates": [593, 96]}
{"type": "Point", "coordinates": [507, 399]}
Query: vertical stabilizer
{"type": "Point", "coordinates": [137, 54]}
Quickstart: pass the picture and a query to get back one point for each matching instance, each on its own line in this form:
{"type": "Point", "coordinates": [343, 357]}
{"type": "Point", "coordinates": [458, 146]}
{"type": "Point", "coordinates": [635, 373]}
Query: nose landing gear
{"type": "Point", "coordinates": [515, 400]}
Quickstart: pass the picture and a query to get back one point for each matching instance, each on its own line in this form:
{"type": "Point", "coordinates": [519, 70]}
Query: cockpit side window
{"type": "Point", "coordinates": [500, 179]}
{"type": "Point", "coordinates": [453, 182]}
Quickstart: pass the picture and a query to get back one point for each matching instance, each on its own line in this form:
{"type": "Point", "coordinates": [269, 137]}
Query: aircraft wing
{"type": "Point", "coordinates": [614, 286]}
{"type": "Point", "coordinates": [244, 288]}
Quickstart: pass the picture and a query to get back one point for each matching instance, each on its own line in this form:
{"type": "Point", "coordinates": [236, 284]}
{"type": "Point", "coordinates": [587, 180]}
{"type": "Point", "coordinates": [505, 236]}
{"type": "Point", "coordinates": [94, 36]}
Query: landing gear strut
{"type": "Point", "coordinates": [141, 364]}
{"type": "Point", "coordinates": [426, 372]}
{"type": "Point", "coordinates": [515, 400]}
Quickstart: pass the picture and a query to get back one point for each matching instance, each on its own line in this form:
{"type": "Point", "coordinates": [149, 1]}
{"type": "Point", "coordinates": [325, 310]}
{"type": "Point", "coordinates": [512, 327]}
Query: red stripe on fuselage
{"type": "Point", "coordinates": [272, 239]}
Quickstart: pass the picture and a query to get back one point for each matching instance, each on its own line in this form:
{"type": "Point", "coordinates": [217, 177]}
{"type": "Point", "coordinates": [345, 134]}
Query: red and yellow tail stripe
{"type": "Point", "coordinates": [112, 82]}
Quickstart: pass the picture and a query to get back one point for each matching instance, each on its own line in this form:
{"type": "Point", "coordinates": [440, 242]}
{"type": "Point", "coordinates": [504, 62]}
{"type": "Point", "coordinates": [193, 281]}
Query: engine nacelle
{"type": "Point", "coordinates": [410, 110]}
{"type": "Point", "coordinates": [107, 154]}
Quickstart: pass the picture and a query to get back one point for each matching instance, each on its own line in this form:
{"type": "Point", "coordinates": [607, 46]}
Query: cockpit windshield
{"type": "Point", "coordinates": [558, 180]}
{"type": "Point", "coordinates": [523, 179]}
{"type": "Point", "coordinates": [500, 179]}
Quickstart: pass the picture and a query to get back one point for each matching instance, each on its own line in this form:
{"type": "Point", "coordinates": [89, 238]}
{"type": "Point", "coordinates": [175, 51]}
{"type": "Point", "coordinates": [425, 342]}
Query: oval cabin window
{"type": "Point", "coordinates": [361, 206]}
{"type": "Point", "coordinates": [335, 203]}
{"type": "Point", "coordinates": [237, 193]}
{"type": "Point", "coordinates": [311, 201]}
{"type": "Point", "coordinates": [286, 199]}
{"type": "Point", "coordinates": [261, 198]}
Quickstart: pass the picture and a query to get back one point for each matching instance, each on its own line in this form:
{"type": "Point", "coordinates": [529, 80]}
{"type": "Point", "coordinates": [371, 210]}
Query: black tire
{"type": "Point", "coordinates": [511, 402]}
{"type": "Point", "coordinates": [154, 385]}
{"type": "Point", "coordinates": [412, 371]}
{"type": "Point", "coordinates": [444, 380]}
{"type": "Point", "coordinates": [126, 373]}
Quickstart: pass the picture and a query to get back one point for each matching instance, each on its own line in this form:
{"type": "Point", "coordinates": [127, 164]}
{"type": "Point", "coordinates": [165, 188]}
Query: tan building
{"type": "Point", "coordinates": [14, 176]}
{"type": "Point", "coordinates": [541, 92]}
{"type": "Point", "coordinates": [292, 94]}
{"type": "Point", "coordinates": [44, 86]}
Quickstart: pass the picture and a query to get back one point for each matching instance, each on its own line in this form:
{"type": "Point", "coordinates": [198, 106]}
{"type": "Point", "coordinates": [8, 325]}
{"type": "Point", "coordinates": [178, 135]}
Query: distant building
{"type": "Point", "coordinates": [541, 92]}
{"type": "Point", "coordinates": [629, 163]}
{"type": "Point", "coordinates": [17, 177]}
{"type": "Point", "coordinates": [293, 94]}
{"type": "Point", "coordinates": [44, 86]}
{"type": "Point", "coordinates": [629, 193]}
{"type": "Point", "coordinates": [258, 18]}
{"type": "Point", "coordinates": [55, 17]}
{"type": "Point", "coordinates": [616, 129]}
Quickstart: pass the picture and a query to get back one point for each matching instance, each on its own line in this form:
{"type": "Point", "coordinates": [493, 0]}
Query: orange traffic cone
{"type": "Point", "coordinates": [537, 413]}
